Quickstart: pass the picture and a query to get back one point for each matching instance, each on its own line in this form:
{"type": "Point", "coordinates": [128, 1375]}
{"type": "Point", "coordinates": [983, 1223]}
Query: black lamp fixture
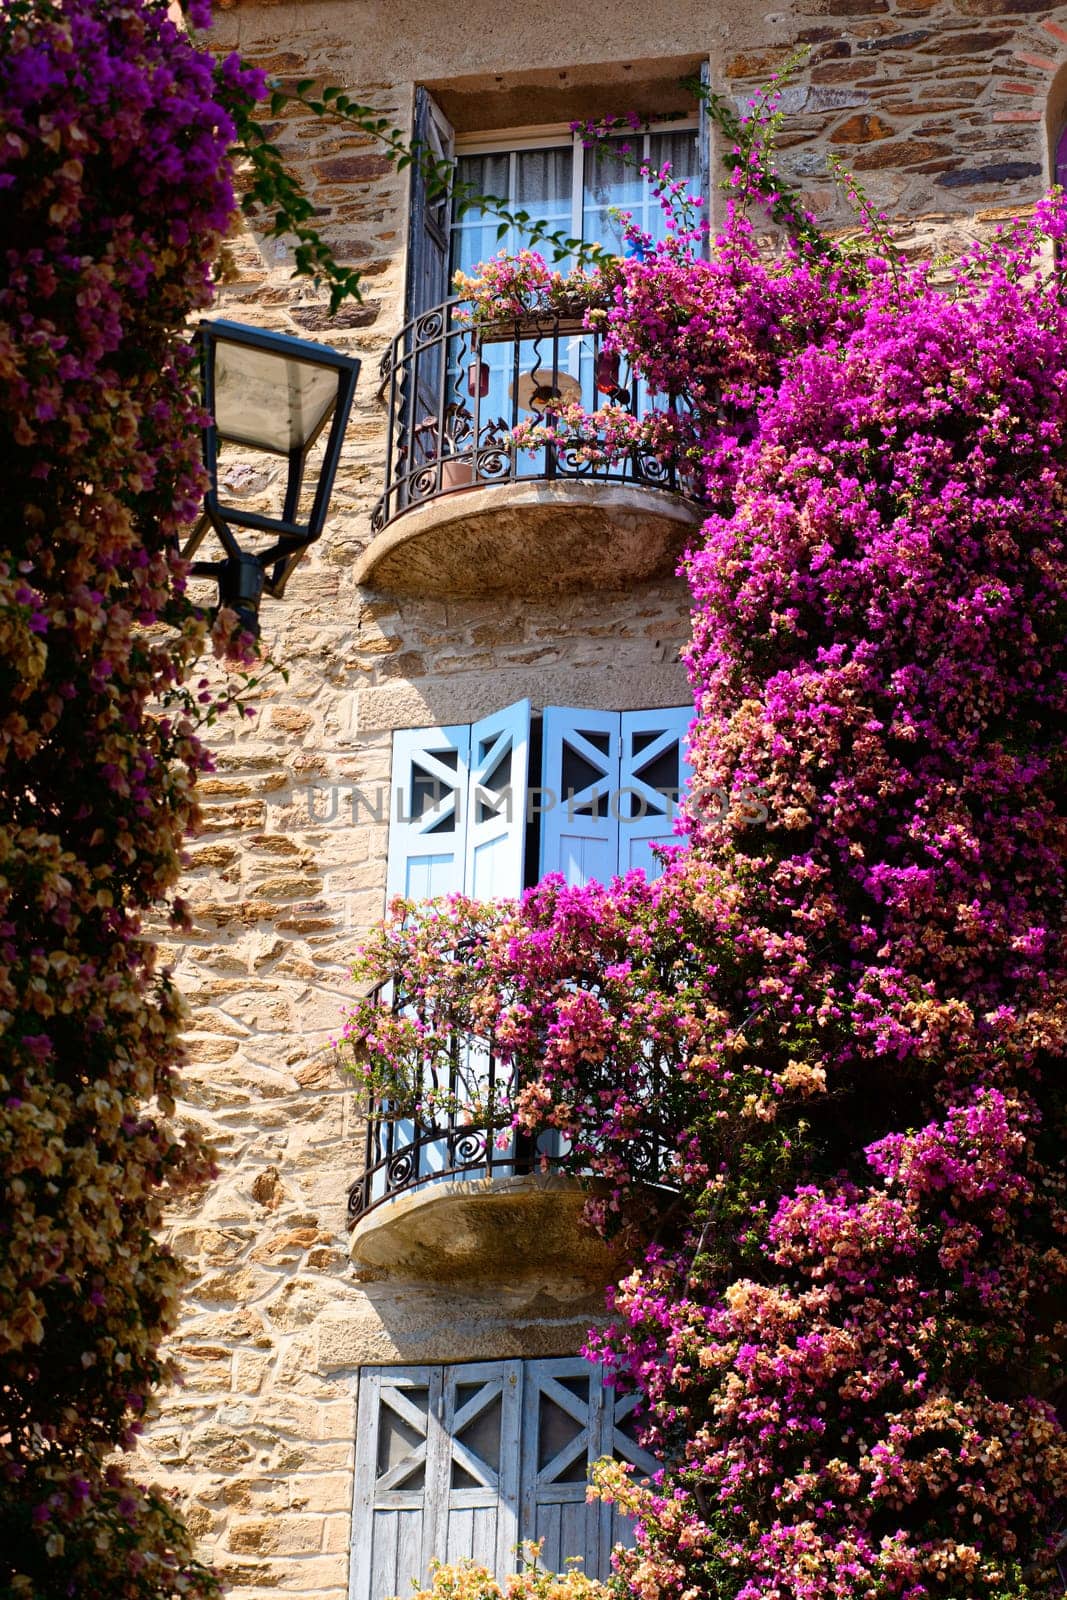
{"type": "Point", "coordinates": [273, 393]}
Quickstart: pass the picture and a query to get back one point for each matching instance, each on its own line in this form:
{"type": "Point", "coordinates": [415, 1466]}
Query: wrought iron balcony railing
{"type": "Point", "coordinates": [455, 395]}
{"type": "Point", "coordinates": [462, 1127]}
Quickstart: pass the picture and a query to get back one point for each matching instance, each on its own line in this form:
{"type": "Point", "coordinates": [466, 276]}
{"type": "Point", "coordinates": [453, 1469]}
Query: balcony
{"type": "Point", "coordinates": [449, 1188]}
{"type": "Point", "coordinates": [466, 512]}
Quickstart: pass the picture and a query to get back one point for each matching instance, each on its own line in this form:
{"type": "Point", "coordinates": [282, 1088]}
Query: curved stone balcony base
{"type": "Point", "coordinates": [530, 537]}
{"type": "Point", "coordinates": [498, 1229]}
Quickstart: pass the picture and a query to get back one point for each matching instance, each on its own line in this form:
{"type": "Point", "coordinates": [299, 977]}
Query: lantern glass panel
{"type": "Point", "coordinates": [268, 401]}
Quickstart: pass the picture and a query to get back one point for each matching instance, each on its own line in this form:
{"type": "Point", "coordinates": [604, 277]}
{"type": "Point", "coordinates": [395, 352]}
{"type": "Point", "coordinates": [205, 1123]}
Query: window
{"type": "Point", "coordinates": [557, 180]}
{"type": "Point", "coordinates": [548, 173]}
{"type": "Point", "coordinates": [489, 808]}
{"type": "Point", "coordinates": [466, 1461]}
{"type": "Point", "coordinates": [1059, 159]}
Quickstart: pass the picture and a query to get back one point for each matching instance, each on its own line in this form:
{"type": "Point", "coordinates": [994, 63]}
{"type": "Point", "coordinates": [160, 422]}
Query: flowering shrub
{"type": "Point", "coordinates": [117, 188]}
{"type": "Point", "coordinates": [466, 1580]}
{"type": "Point", "coordinates": [839, 1036]}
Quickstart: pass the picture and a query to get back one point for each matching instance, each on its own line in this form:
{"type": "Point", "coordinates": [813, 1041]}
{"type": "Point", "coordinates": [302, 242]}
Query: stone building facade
{"type": "Point", "coordinates": [558, 594]}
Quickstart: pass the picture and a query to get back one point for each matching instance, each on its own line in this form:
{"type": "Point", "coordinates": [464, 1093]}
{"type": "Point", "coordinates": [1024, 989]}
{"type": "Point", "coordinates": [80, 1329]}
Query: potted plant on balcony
{"type": "Point", "coordinates": [655, 445]}
{"type": "Point", "coordinates": [447, 449]}
{"type": "Point", "coordinates": [522, 291]}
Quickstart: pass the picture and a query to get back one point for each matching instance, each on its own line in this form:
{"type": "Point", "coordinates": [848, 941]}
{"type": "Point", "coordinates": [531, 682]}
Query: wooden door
{"type": "Point", "coordinates": [476, 1493]}
{"type": "Point", "coordinates": [464, 1462]}
{"type": "Point", "coordinates": [437, 1472]}
{"type": "Point", "coordinates": [393, 1528]}
{"type": "Point", "coordinates": [561, 1438]}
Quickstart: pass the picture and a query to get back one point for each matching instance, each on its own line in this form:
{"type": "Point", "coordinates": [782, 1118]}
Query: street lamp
{"type": "Point", "coordinates": [273, 393]}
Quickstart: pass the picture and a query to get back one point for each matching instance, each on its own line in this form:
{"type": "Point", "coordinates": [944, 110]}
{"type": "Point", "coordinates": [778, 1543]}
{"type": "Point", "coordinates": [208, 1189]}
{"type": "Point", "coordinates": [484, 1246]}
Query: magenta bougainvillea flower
{"type": "Point", "coordinates": [836, 1035]}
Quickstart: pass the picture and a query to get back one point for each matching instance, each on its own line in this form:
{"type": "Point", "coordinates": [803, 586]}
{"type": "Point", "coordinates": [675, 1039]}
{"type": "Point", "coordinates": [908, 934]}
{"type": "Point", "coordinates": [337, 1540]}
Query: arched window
{"type": "Point", "coordinates": [1059, 158]}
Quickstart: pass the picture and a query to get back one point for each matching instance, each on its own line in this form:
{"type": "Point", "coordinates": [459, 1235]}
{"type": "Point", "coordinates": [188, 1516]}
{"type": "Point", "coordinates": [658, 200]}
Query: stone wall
{"type": "Point", "coordinates": [939, 107]}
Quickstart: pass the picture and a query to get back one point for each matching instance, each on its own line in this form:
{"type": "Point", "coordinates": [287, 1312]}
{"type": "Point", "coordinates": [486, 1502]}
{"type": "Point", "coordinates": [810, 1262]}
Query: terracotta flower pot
{"type": "Point", "coordinates": [457, 472]}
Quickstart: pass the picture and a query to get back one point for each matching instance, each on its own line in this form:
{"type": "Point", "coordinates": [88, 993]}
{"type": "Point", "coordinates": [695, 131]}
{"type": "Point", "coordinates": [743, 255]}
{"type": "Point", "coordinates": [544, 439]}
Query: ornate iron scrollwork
{"type": "Point", "coordinates": [401, 1168]}
{"type": "Point", "coordinates": [468, 1147]}
{"type": "Point", "coordinates": [436, 412]}
{"type": "Point", "coordinates": [458, 1137]}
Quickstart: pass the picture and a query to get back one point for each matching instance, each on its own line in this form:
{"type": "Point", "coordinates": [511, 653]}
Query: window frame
{"type": "Point", "coordinates": [1059, 153]}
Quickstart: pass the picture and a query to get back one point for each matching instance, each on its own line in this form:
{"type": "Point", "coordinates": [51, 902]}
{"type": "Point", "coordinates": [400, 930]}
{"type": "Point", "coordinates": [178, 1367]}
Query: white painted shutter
{"type": "Point", "coordinates": [653, 773]}
{"type": "Point", "coordinates": [580, 831]}
{"type": "Point", "coordinates": [476, 1493]}
{"type": "Point", "coordinates": [393, 1524]}
{"type": "Point", "coordinates": [562, 1433]}
{"type": "Point", "coordinates": [428, 815]}
{"type": "Point", "coordinates": [496, 803]}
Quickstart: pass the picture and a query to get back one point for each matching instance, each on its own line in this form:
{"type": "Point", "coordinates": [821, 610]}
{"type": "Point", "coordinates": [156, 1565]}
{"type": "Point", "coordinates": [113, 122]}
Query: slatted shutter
{"type": "Point", "coordinates": [427, 828]}
{"type": "Point", "coordinates": [430, 215]}
{"type": "Point", "coordinates": [653, 773]}
{"type": "Point", "coordinates": [476, 1493]}
{"type": "Point", "coordinates": [704, 138]}
{"type": "Point", "coordinates": [496, 803]}
{"type": "Point", "coordinates": [580, 831]}
{"type": "Point", "coordinates": [393, 1525]}
{"type": "Point", "coordinates": [419, 396]}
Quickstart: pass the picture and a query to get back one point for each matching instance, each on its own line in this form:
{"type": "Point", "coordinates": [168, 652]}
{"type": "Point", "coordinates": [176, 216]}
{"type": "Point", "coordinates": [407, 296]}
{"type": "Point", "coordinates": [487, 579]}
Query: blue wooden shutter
{"type": "Point", "coordinates": [496, 803]}
{"type": "Point", "coordinates": [397, 1428]}
{"type": "Point", "coordinates": [653, 773]}
{"type": "Point", "coordinates": [475, 1488]}
{"type": "Point", "coordinates": [437, 1472]}
{"type": "Point", "coordinates": [427, 823]}
{"type": "Point", "coordinates": [579, 830]}
{"type": "Point", "coordinates": [464, 1461]}
{"type": "Point", "coordinates": [562, 1434]}
{"type": "Point", "coordinates": [617, 1440]}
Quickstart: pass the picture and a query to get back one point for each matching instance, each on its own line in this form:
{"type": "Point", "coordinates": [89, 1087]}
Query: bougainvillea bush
{"type": "Point", "coordinates": [834, 1037]}
{"type": "Point", "coordinates": [115, 182]}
